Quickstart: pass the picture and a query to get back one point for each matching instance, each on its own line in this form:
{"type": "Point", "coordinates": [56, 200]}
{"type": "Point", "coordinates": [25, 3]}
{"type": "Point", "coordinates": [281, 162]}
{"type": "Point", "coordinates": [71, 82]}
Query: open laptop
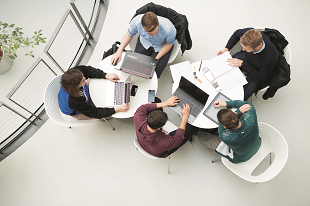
{"type": "Point", "coordinates": [190, 94]}
{"type": "Point", "coordinates": [118, 93]}
{"type": "Point", "coordinates": [138, 64]}
{"type": "Point", "coordinates": [211, 111]}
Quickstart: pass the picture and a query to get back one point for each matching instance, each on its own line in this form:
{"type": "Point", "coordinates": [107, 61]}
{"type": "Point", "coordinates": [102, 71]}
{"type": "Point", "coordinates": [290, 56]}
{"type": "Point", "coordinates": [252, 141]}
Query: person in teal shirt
{"type": "Point", "coordinates": [238, 130]}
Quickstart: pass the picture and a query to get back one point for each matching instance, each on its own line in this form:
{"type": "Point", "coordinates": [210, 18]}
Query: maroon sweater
{"type": "Point", "coordinates": [159, 143]}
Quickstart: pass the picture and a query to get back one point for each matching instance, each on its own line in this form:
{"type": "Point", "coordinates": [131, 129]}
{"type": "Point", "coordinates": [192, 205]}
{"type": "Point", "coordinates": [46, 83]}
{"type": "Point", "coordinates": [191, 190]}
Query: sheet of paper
{"type": "Point", "coordinates": [218, 65]}
{"type": "Point", "coordinates": [232, 79]}
{"type": "Point", "coordinates": [182, 69]}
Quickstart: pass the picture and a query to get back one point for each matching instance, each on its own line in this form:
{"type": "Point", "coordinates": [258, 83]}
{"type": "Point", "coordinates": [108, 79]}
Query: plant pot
{"type": "Point", "coordinates": [6, 63]}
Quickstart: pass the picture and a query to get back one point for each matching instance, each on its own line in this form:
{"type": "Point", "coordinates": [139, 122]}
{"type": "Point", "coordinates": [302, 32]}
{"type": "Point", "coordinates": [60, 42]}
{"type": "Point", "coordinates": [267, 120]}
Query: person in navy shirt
{"type": "Point", "coordinates": [157, 36]}
{"type": "Point", "coordinates": [258, 57]}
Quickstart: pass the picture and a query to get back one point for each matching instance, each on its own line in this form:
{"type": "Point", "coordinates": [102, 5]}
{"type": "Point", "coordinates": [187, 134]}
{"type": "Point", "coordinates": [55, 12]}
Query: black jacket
{"type": "Point", "coordinates": [281, 74]}
{"type": "Point", "coordinates": [178, 20]}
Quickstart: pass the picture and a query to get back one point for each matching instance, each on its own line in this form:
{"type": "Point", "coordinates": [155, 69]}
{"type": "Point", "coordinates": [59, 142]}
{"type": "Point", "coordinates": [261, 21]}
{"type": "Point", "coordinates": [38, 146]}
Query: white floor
{"type": "Point", "coordinates": [92, 165]}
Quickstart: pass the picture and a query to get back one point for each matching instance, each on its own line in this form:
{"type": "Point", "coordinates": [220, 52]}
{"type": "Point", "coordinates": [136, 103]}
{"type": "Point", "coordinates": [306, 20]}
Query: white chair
{"type": "Point", "coordinates": [272, 141]}
{"type": "Point", "coordinates": [169, 127]}
{"type": "Point", "coordinates": [52, 107]}
{"type": "Point", "coordinates": [175, 50]}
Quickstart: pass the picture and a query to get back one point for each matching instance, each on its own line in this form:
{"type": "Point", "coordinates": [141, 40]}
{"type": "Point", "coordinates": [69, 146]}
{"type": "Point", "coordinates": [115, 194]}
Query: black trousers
{"type": "Point", "coordinates": [252, 85]}
{"type": "Point", "coordinates": [163, 61]}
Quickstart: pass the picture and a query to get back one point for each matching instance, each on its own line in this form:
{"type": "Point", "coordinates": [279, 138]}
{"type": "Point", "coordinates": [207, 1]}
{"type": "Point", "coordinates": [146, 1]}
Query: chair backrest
{"type": "Point", "coordinates": [169, 127]}
{"type": "Point", "coordinates": [175, 50]}
{"type": "Point", "coordinates": [272, 141]}
{"type": "Point", "coordinates": [52, 107]}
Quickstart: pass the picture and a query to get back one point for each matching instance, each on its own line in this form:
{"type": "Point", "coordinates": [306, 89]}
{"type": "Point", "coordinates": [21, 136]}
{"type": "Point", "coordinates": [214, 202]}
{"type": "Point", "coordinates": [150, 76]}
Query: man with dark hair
{"type": "Point", "coordinates": [149, 120]}
{"type": "Point", "coordinates": [258, 57]}
{"type": "Point", "coordinates": [157, 36]}
{"type": "Point", "coordinates": [238, 130]}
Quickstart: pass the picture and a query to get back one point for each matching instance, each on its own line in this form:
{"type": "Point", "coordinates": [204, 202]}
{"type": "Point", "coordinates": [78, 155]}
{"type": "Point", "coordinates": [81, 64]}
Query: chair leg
{"type": "Point", "coordinates": [169, 166]}
{"type": "Point", "coordinates": [170, 73]}
{"type": "Point", "coordinates": [215, 159]}
{"type": "Point", "coordinates": [109, 124]}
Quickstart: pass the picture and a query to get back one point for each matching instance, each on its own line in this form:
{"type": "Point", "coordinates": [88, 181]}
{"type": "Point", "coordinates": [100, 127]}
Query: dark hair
{"type": "Point", "coordinates": [228, 118]}
{"type": "Point", "coordinates": [149, 21]}
{"type": "Point", "coordinates": [252, 38]}
{"type": "Point", "coordinates": [71, 80]}
{"type": "Point", "coordinates": [156, 119]}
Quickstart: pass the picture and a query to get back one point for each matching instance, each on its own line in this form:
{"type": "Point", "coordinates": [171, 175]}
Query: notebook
{"type": "Point", "coordinates": [138, 64]}
{"type": "Point", "coordinates": [190, 94]}
{"type": "Point", "coordinates": [211, 111]}
{"type": "Point", "coordinates": [118, 93]}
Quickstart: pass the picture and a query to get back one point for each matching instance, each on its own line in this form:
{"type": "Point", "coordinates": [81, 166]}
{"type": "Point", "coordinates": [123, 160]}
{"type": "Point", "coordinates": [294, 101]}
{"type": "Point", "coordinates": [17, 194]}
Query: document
{"type": "Point", "coordinates": [222, 76]}
{"type": "Point", "coordinates": [182, 69]}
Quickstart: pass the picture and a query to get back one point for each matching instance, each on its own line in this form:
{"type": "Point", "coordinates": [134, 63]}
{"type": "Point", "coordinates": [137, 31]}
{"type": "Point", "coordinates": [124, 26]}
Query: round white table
{"type": "Point", "coordinates": [97, 87]}
{"type": "Point", "coordinates": [201, 120]}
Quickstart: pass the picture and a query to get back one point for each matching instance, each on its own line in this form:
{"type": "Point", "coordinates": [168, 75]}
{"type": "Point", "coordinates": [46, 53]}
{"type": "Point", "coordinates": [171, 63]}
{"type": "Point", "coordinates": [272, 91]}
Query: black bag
{"type": "Point", "coordinates": [112, 50]}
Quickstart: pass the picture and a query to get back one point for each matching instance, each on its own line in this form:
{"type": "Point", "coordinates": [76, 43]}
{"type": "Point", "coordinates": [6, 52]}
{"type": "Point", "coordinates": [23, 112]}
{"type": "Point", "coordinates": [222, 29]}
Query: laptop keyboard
{"type": "Point", "coordinates": [119, 93]}
{"type": "Point", "coordinates": [195, 110]}
{"type": "Point", "coordinates": [137, 67]}
{"type": "Point", "coordinates": [128, 93]}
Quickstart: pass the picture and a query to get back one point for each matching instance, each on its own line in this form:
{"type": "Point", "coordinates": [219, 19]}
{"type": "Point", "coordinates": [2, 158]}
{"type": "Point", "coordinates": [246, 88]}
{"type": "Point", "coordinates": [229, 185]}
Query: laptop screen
{"type": "Point", "coordinates": [193, 90]}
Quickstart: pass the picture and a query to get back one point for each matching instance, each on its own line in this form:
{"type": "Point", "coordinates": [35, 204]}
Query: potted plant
{"type": "Point", "coordinates": [11, 39]}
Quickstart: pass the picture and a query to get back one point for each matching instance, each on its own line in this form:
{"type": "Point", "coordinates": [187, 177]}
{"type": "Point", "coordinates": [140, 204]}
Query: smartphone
{"type": "Point", "coordinates": [151, 96]}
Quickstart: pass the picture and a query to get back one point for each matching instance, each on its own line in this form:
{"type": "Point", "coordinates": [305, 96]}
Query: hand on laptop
{"type": "Point", "coordinates": [185, 111]}
{"type": "Point", "coordinates": [122, 108]}
{"type": "Point", "coordinates": [222, 51]}
{"type": "Point", "coordinates": [116, 57]}
{"type": "Point", "coordinates": [112, 77]}
{"type": "Point", "coordinates": [220, 103]}
{"type": "Point", "coordinates": [172, 101]}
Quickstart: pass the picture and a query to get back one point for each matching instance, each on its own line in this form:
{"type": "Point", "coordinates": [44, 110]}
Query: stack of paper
{"type": "Point", "coordinates": [222, 76]}
{"type": "Point", "coordinates": [181, 69]}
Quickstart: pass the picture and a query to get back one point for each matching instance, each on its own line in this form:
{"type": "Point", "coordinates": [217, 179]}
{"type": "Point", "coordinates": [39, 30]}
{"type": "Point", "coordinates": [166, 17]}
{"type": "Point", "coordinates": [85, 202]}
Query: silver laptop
{"type": "Point", "coordinates": [138, 64]}
{"type": "Point", "coordinates": [190, 94]}
{"type": "Point", "coordinates": [118, 93]}
{"type": "Point", "coordinates": [211, 111]}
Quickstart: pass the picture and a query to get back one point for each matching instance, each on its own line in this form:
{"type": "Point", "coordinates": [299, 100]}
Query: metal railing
{"type": "Point", "coordinates": [65, 48]}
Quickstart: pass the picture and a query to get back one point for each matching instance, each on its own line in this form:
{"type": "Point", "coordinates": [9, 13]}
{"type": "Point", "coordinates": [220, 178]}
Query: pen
{"type": "Point", "coordinates": [200, 66]}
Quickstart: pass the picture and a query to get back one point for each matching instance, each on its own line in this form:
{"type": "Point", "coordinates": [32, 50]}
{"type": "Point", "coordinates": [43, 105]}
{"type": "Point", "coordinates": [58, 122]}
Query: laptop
{"type": "Point", "coordinates": [190, 94]}
{"type": "Point", "coordinates": [118, 93]}
{"type": "Point", "coordinates": [138, 64]}
{"type": "Point", "coordinates": [211, 111]}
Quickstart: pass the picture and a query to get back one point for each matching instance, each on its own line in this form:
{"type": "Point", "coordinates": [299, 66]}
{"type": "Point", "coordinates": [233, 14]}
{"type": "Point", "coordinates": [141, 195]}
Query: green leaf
{"type": "Point", "coordinates": [12, 25]}
{"type": "Point", "coordinates": [32, 55]}
{"type": "Point", "coordinates": [26, 54]}
{"type": "Point", "coordinates": [40, 30]}
{"type": "Point", "coordinates": [35, 32]}
{"type": "Point", "coordinates": [15, 46]}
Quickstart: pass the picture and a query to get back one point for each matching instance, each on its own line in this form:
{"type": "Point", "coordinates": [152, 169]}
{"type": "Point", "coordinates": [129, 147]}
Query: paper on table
{"type": "Point", "coordinates": [231, 80]}
{"type": "Point", "coordinates": [182, 69]}
{"type": "Point", "coordinates": [218, 65]}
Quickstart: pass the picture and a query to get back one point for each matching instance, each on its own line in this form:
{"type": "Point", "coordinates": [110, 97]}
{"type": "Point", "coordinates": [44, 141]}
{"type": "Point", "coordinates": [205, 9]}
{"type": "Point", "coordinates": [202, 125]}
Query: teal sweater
{"type": "Point", "coordinates": [244, 141]}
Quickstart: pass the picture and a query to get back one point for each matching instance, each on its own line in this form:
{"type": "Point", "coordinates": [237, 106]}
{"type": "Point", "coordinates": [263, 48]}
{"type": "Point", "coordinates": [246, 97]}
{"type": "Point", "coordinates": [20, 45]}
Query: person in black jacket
{"type": "Point", "coordinates": [74, 98]}
{"type": "Point", "coordinates": [258, 57]}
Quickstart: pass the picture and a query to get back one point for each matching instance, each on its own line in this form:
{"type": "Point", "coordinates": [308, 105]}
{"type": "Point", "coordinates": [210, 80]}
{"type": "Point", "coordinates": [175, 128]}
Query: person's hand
{"type": "Point", "coordinates": [244, 108]}
{"type": "Point", "coordinates": [172, 101]}
{"type": "Point", "coordinates": [220, 103]}
{"type": "Point", "coordinates": [116, 57]}
{"type": "Point", "coordinates": [185, 111]}
{"type": "Point", "coordinates": [234, 62]}
{"type": "Point", "coordinates": [222, 51]}
{"type": "Point", "coordinates": [122, 108]}
{"type": "Point", "coordinates": [112, 77]}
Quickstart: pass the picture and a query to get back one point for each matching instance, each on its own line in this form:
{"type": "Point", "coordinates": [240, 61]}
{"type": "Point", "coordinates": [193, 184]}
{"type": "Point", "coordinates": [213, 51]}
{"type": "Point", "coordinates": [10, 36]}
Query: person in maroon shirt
{"type": "Point", "coordinates": [149, 120]}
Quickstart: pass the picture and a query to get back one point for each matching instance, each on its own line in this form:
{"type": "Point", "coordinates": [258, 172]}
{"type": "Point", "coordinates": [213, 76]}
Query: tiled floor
{"type": "Point", "coordinates": [92, 165]}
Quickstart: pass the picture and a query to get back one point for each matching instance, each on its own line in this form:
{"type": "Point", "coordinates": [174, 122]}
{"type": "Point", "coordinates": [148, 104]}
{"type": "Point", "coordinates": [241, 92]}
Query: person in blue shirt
{"type": "Point", "coordinates": [157, 36]}
{"type": "Point", "coordinates": [74, 98]}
